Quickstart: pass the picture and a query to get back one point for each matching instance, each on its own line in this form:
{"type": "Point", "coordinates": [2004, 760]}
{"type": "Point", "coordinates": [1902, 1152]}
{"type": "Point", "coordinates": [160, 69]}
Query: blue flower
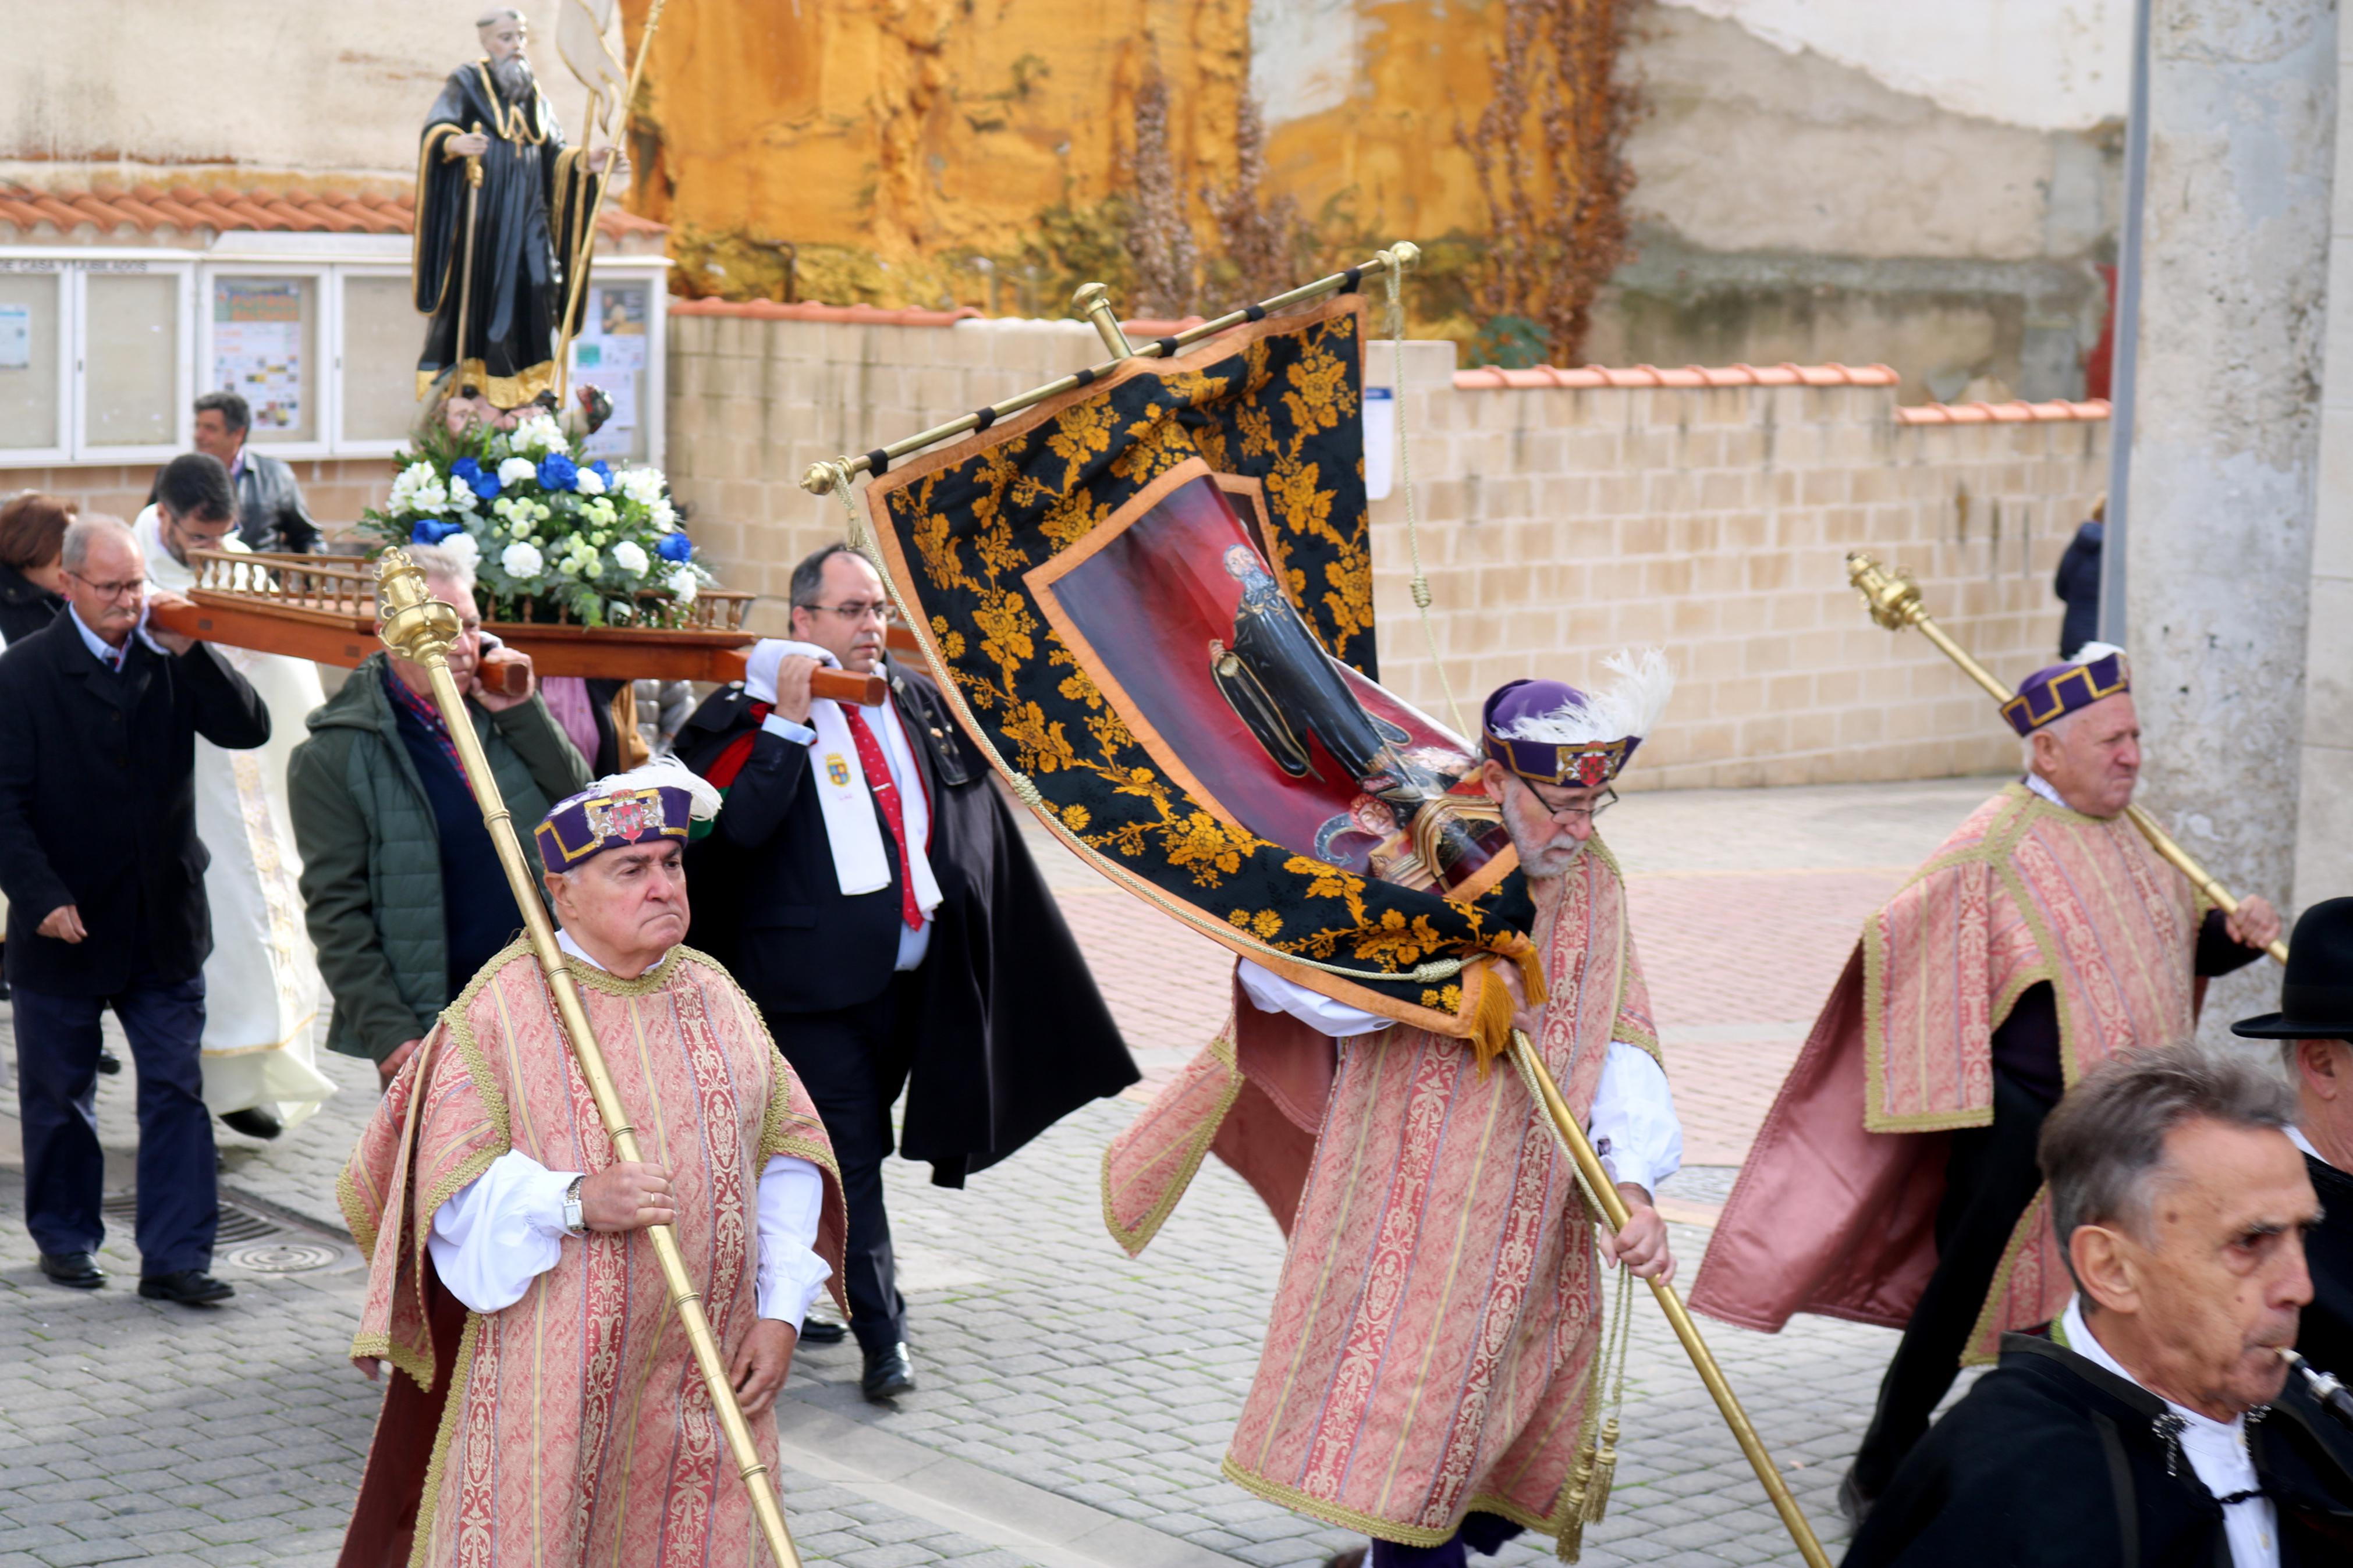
{"type": "Point", "coordinates": [465, 468]}
{"type": "Point", "coordinates": [675, 547]}
{"type": "Point", "coordinates": [482, 480]}
{"type": "Point", "coordinates": [429, 530]}
{"type": "Point", "coordinates": [603, 470]}
{"type": "Point", "coordinates": [557, 472]}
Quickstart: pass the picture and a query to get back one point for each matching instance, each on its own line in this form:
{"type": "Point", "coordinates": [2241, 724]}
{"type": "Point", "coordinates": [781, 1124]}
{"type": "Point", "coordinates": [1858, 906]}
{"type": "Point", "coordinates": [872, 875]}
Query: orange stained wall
{"type": "Point", "coordinates": [932, 130]}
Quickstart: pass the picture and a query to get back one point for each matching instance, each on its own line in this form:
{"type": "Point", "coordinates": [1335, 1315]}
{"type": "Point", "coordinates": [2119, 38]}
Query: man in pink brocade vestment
{"type": "Point", "coordinates": [1427, 1374]}
{"type": "Point", "coordinates": [543, 1407]}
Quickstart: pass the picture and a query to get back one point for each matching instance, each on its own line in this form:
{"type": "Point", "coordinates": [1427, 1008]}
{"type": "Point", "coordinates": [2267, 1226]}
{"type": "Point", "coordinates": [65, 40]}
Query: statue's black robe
{"type": "Point", "coordinates": [529, 231]}
{"type": "Point", "coordinates": [2052, 1462]}
{"type": "Point", "coordinates": [2326, 1339]}
{"type": "Point", "coordinates": [1013, 1033]}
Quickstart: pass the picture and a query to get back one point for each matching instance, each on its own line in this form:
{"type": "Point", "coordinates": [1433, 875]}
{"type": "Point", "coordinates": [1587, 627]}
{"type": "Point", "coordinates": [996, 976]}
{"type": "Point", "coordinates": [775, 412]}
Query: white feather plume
{"type": "Point", "coordinates": [1629, 709]}
{"type": "Point", "coordinates": [2092, 652]}
{"type": "Point", "coordinates": [662, 773]}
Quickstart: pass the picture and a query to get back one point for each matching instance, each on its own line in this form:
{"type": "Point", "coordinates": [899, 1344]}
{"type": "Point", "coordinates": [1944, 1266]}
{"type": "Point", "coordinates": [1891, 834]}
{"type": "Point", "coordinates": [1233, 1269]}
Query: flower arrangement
{"type": "Point", "coordinates": [549, 538]}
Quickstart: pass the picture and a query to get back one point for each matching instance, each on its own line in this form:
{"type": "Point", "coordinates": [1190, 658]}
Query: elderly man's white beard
{"type": "Point", "coordinates": [1553, 860]}
{"type": "Point", "coordinates": [513, 75]}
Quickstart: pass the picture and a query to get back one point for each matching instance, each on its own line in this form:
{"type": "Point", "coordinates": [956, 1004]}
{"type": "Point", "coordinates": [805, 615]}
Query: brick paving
{"type": "Point", "coordinates": [1059, 1377]}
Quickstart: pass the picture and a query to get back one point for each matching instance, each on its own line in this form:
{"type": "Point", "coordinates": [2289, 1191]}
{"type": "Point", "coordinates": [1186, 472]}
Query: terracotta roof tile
{"type": "Point", "coordinates": [1545, 376]}
{"type": "Point", "coordinates": [2016, 413]}
{"type": "Point", "coordinates": [152, 206]}
{"type": "Point", "coordinates": [811, 310]}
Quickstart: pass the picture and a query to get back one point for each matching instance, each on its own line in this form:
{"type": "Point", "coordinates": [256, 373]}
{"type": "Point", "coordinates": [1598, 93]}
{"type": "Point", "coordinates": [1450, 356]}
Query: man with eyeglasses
{"type": "Point", "coordinates": [1894, 1181]}
{"type": "Point", "coordinates": [98, 854]}
{"type": "Point", "coordinates": [869, 888]}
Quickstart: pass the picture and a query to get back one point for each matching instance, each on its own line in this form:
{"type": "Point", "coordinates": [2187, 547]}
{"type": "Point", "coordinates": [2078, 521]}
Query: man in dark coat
{"type": "Point", "coordinates": [2158, 1424]}
{"type": "Point", "coordinates": [105, 879]}
{"type": "Point", "coordinates": [525, 223]}
{"type": "Point", "coordinates": [2314, 1030]}
{"type": "Point", "coordinates": [269, 506]}
{"type": "Point", "coordinates": [870, 889]}
{"type": "Point", "coordinates": [2077, 581]}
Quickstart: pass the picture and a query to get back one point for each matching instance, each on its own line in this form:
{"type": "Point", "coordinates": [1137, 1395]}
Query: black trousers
{"type": "Point", "coordinates": [57, 1078]}
{"type": "Point", "coordinates": [853, 1062]}
{"type": "Point", "coordinates": [1989, 1179]}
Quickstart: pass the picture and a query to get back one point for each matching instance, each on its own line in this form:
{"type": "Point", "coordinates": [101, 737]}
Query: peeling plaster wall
{"type": "Point", "coordinates": [2243, 125]}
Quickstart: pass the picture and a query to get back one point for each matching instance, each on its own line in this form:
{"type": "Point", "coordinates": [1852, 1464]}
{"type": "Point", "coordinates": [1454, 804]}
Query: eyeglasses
{"type": "Point", "coordinates": [880, 610]}
{"type": "Point", "coordinates": [109, 590]}
{"type": "Point", "coordinates": [1608, 798]}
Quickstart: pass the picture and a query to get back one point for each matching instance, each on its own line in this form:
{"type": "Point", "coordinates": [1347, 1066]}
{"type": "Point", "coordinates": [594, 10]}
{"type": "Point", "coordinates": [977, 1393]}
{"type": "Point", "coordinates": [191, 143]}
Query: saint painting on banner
{"type": "Point", "coordinates": [496, 251]}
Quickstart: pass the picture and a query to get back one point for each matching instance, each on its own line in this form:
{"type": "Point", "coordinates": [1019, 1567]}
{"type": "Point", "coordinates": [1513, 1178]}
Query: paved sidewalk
{"type": "Point", "coordinates": [1075, 1403]}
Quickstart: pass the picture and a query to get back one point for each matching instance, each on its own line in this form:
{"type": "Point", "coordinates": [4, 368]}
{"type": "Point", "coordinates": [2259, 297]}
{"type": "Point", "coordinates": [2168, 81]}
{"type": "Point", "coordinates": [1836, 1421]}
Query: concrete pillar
{"type": "Point", "coordinates": [2324, 839]}
{"type": "Point", "coordinates": [2242, 121]}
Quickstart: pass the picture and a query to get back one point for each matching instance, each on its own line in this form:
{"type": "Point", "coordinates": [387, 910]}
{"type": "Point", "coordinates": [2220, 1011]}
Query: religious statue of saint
{"type": "Point", "coordinates": [502, 214]}
{"type": "Point", "coordinates": [1284, 686]}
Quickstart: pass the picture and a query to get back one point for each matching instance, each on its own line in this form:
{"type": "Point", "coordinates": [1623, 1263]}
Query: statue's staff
{"type": "Point", "coordinates": [465, 264]}
{"type": "Point", "coordinates": [579, 281]}
{"type": "Point", "coordinates": [1893, 600]}
{"type": "Point", "coordinates": [1602, 1192]}
{"type": "Point", "coordinates": [420, 628]}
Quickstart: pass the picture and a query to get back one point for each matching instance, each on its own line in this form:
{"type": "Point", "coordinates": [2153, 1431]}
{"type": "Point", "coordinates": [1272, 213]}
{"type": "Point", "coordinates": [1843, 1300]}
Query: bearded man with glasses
{"type": "Point", "coordinates": [869, 888]}
{"type": "Point", "coordinates": [105, 878]}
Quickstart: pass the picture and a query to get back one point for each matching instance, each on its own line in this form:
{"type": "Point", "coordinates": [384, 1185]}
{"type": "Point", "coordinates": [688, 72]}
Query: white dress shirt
{"type": "Point", "coordinates": [2217, 1452]}
{"type": "Point", "coordinates": [1632, 1124]}
{"type": "Point", "coordinates": [914, 805]}
{"type": "Point", "coordinates": [506, 1228]}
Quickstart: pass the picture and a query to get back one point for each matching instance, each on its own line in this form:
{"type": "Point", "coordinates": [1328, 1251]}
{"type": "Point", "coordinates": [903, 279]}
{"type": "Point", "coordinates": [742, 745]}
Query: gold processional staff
{"type": "Point", "coordinates": [1893, 600]}
{"type": "Point", "coordinates": [1094, 301]}
{"type": "Point", "coordinates": [420, 628]}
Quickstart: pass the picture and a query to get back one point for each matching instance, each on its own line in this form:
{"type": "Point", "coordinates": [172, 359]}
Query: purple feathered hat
{"type": "Point", "coordinates": [1550, 732]}
{"type": "Point", "coordinates": [640, 806]}
{"type": "Point", "coordinates": [2097, 670]}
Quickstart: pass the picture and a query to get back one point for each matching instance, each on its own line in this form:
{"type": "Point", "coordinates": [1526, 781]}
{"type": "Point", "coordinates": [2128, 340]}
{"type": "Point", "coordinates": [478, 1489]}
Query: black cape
{"type": "Point", "coordinates": [2050, 1462]}
{"type": "Point", "coordinates": [1014, 1034]}
{"type": "Point", "coordinates": [529, 233]}
{"type": "Point", "coordinates": [2326, 1339]}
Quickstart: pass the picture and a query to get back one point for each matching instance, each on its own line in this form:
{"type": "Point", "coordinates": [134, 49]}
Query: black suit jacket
{"type": "Point", "coordinates": [1009, 1034]}
{"type": "Point", "coordinates": [2050, 1460]}
{"type": "Point", "coordinates": [98, 806]}
{"type": "Point", "coordinates": [2325, 1337]}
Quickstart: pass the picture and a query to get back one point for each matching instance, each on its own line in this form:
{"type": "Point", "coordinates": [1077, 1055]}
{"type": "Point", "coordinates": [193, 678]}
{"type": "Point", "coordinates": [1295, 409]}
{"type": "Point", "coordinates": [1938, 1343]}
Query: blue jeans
{"type": "Point", "coordinates": [65, 1170]}
{"type": "Point", "coordinates": [1482, 1532]}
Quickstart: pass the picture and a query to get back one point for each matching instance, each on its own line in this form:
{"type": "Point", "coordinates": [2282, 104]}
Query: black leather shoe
{"type": "Point", "coordinates": [889, 1374]}
{"type": "Point", "coordinates": [818, 1332]}
{"type": "Point", "coordinates": [109, 1062]}
{"type": "Point", "coordinates": [1853, 1502]}
{"type": "Point", "coordinates": [189, 1288]}
{"type": "Point", "coordinates": [253, 1122]}
{"type": "Point", "coordinates": [74, 1271]}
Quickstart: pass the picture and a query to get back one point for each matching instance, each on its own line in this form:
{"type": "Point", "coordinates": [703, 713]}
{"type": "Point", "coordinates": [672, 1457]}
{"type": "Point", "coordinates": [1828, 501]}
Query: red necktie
{"type": "Point", "coordinates": [886, 794]}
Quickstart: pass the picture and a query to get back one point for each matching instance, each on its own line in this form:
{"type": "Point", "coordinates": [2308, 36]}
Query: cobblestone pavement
{"type": "Point", "coordinates": [1074, 1404]}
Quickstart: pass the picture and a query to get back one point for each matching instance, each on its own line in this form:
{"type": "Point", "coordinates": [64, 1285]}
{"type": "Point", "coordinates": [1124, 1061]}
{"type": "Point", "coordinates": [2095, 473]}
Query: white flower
{"type": "Point", "coordinates": [665, 516]}
{"type": "Point", "coordinates": [418, 488]}
{"type": "Point", "coordinates": [462, 546]}
{"type": "Point", "coordinates": [681, 584]}
{"type": "Point", "coordinates": [643, 486]}
{"type": "Point", "coordinates": [539, 434]}
{"type": "Point", "coordinates": [515, 471]}
{"type": "Point", "coordinates": [522, 560]}
{"type": "Point", "coordinates": [463, 497]}
{"type": "Point", "coordinates": [590, 483]}
{"type": "Point", "coordinates": [630, 559]}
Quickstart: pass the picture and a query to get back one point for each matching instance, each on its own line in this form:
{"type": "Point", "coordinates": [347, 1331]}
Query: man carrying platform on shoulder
{"type": "Point", "coordinates": [1894, 1181]}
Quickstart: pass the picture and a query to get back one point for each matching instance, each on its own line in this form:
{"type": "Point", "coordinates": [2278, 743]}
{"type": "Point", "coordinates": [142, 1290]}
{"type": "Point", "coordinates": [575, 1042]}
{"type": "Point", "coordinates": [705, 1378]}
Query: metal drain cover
{"type": "Point", "coordinates": [285, 1255]}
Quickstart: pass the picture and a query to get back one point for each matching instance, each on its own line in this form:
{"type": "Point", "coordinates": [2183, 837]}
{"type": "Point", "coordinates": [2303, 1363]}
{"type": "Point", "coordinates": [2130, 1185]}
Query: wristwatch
{"type": "Point", "coordinates": [573, 1224]}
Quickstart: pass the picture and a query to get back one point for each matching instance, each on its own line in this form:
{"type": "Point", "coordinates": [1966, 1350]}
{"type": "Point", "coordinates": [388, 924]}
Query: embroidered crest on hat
{"type": "Point", "coordinates": [643, 805]}
{"type": "Point", "coordinates": [2098, 670]}
{"type": "Point", "coordinates": [1553, 734]}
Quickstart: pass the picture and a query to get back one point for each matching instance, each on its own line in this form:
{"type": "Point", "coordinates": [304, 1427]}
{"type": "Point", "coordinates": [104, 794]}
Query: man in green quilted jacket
{"type": "Point", "coordinates": [401, 890]}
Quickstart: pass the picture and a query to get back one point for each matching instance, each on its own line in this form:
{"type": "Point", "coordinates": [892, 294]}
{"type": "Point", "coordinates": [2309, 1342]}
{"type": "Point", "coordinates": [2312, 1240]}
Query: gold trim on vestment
{"type": "Point", "coordinates": [508, 392]}
{"type": "Point", "coordinates": [453, 1411]}
{"type": "Point", "coordinates": [1134, 1242]}
{"type": "Point", "coordinates": [433, 133]}
{"type": "Point", "coordinates": [519, 128]}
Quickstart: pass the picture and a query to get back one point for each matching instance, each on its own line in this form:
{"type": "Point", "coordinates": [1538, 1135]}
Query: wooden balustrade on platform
{"type": "Point", "coordinates": [323, 608]}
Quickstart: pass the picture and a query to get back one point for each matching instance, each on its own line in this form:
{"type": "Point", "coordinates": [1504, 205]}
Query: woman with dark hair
{"type": "Point", "coordinates": [32, 569]}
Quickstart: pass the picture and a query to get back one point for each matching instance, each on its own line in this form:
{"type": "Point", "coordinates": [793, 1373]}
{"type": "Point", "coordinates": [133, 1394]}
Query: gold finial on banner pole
{"type": "Point", "coordinates": [1893, 601]}
{"type": "Point", "coordinates": [420, 628]}
{"type": "Point", "coordinates": [1093, 301]}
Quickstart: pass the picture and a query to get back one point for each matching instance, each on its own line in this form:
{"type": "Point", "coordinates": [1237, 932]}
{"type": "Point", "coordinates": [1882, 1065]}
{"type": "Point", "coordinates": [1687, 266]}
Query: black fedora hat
{"type": "Point", "coordinates": [2317, 996]}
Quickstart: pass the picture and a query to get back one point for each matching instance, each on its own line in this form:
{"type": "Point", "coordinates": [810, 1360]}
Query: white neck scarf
{"type": "Point", "coordinates": [861, 861]}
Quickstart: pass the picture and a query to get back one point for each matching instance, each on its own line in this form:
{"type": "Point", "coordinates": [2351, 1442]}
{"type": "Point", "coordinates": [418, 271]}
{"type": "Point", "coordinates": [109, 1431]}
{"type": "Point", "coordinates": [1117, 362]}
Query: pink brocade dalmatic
{"type": "Point", "coordinates": [1835, 1208]}
{"type": "Point", "coordinates": [1431, 1342]}
{"type": "Point", "coordinates": [572, 1426]}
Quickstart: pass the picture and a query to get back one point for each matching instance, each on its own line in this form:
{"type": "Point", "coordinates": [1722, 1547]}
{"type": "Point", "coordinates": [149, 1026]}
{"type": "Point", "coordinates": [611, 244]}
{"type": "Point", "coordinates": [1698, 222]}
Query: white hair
{"type": "Point", "coordinates": [503, 13]}
{"type": "Point", "coordinates": [2089, 653]}
{"type": "Point", "coordinates": [73, 552]}
{"type": "Point", "coordinates": [442, 565]}
{"type": "Point", "coordinates": [1629, 709]}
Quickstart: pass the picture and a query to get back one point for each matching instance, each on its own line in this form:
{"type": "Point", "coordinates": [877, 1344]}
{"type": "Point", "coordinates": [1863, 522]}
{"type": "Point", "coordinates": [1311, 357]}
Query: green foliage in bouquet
{"type": "Point", "coordinates": [550, 539]}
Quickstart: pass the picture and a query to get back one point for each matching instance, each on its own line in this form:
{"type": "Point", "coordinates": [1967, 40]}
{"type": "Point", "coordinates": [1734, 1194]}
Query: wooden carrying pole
{"type": "Point", "coordinates": [1596, 1181]}
{"type": "Point", "coordinates": [1893, 601]}
{"type": "Point", "coordinates": [578, 282]}
{"type": "Point", "coordinates": [420, 628]}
